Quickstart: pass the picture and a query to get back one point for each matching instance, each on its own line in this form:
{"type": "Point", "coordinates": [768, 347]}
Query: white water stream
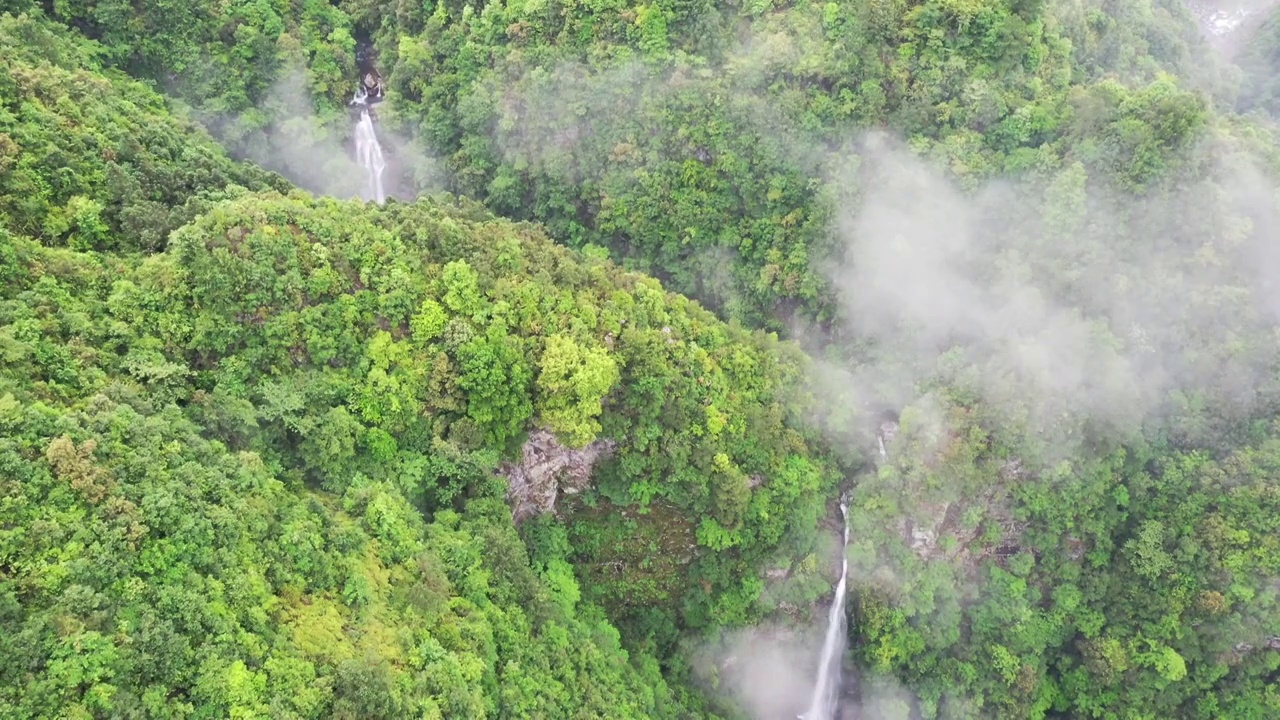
{"type": "Point", "coordinates": [827, 688]}
{"type": "Point", "coordinates": [368, 150]}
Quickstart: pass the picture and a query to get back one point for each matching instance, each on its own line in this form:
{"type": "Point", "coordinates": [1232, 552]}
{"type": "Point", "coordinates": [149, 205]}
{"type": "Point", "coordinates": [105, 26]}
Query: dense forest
{"type": "Point", "coordinates": [559, 430]}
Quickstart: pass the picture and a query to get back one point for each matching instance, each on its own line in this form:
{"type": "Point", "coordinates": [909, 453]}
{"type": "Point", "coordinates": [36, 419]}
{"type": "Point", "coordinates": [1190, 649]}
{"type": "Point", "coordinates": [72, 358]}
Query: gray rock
{"type": "Point", "coordinates": [548, 469]}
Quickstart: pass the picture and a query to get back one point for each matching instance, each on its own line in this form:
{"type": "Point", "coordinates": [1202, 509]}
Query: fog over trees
{"type": "Point", "coordinates": [560, 429]}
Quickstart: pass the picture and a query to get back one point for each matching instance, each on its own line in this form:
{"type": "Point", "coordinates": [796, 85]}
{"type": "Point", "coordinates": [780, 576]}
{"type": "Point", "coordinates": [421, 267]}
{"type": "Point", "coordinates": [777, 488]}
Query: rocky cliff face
{"type": "Point", "coordinates": [546, 470]}
{"type": "Point", "coordinates": [1227, 24]}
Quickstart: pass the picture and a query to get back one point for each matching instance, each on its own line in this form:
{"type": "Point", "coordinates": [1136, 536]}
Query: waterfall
{"type": "Point", "coordinates": [827, 688]}
{"type": "Point", "coordinates": [368, 151]}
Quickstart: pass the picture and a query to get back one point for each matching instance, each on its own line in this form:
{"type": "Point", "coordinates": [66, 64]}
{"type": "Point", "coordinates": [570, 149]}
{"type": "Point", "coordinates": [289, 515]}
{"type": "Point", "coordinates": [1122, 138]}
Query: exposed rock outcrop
{"type": "Point", "coordinates": [922, 534]}
{"type": "Point", "coordinates": [1227, 25]}
{"type": "Point", "coordinates": [548, 469]}
{"type": "Point", "coordinates": [884, 436]}
{"type": "Point", "coordinates": [924, 530]}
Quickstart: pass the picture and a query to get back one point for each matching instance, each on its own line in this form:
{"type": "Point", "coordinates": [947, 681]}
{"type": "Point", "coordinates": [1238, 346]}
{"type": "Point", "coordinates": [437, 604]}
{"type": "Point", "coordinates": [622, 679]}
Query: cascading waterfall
{"type": "Point", "coordinates": [368, 150]}
{"type": "Point", "coordinates": [827, 689]}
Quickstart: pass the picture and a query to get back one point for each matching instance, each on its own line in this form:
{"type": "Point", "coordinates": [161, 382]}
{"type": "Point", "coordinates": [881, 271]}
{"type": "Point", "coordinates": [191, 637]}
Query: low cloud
{"type": "Point", "coordinates": [1070, 310]}
{"type": "Point", "coordinates": [286, 135]}
{"type": "Point", "coordinates": [767, 671]}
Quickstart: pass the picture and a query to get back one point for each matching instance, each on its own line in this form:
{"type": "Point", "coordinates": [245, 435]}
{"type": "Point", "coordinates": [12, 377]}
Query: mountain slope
{"type": "Point", "coordinates": [252, 474]}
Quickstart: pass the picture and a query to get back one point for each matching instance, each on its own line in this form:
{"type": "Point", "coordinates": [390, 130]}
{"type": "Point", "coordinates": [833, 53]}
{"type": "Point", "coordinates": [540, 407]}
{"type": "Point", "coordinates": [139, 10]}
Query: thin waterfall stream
{"type": "Point", "coordinates": [826, 690]}
{"type": "Point", "coordinates": [368, 149]}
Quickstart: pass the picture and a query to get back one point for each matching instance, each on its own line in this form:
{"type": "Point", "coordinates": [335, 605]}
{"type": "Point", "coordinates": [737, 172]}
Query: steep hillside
{"type": "Point", "coordinates": [1028, 241]}
{"type": "Point", "coordinates": [253, 474]}
{"type": "Point", "coordinates": [92, 159]}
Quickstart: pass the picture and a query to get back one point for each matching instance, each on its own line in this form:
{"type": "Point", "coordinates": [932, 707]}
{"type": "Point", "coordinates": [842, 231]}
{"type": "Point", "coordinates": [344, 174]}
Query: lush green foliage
{"type": "Point", "coordinates": [342, 381]}
{"type": "Point", "coordinates": [154, 572]}
{"type": "Point", "coordinates": [698, 159]}
{"type": "Point", "coordinates": [94, 160]}
{"type": "Point", "coordinates": [330, 438]}
{"type": "Point", "coordinates": [225, 57]}
{"type": "Point", "coordinates": [650, 131]}
{"type": "Point", "coordinates": [705, 160]}
{"type": "Point", "coordinates": [1137, 584]}
{"type": "Point", "coordinates": [376, 337]}
{"type": "Point", "coordinates": [253, 475]}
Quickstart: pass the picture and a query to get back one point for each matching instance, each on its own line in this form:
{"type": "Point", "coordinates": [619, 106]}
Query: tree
{"type": "Point", "coordinates": [572, 383]}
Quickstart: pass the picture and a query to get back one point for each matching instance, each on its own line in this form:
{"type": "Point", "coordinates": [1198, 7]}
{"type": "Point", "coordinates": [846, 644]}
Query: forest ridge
{"type": "Point", "coordinates": [1001, 273]}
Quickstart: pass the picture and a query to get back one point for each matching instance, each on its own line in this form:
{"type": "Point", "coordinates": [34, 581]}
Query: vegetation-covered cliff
{"type": "Point", "coordinates": [250, 471]}
{"type": "Point", "coordinates": [259, 445]}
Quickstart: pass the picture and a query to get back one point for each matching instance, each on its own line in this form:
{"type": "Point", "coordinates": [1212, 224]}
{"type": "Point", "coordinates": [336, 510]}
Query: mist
{"type": "Point", "coordinates": [315, 151]}
{"type": "Point", "coordinates": [1073, 310]}
{"type": "Point", "coordinates": [766, 671]}
{"type": "Point", "coordinates": [1079, 318]}
{"type": "Point", "coordinates": [1074, 315]}
{"type": "Point", "coordinates": [1078, 315]}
